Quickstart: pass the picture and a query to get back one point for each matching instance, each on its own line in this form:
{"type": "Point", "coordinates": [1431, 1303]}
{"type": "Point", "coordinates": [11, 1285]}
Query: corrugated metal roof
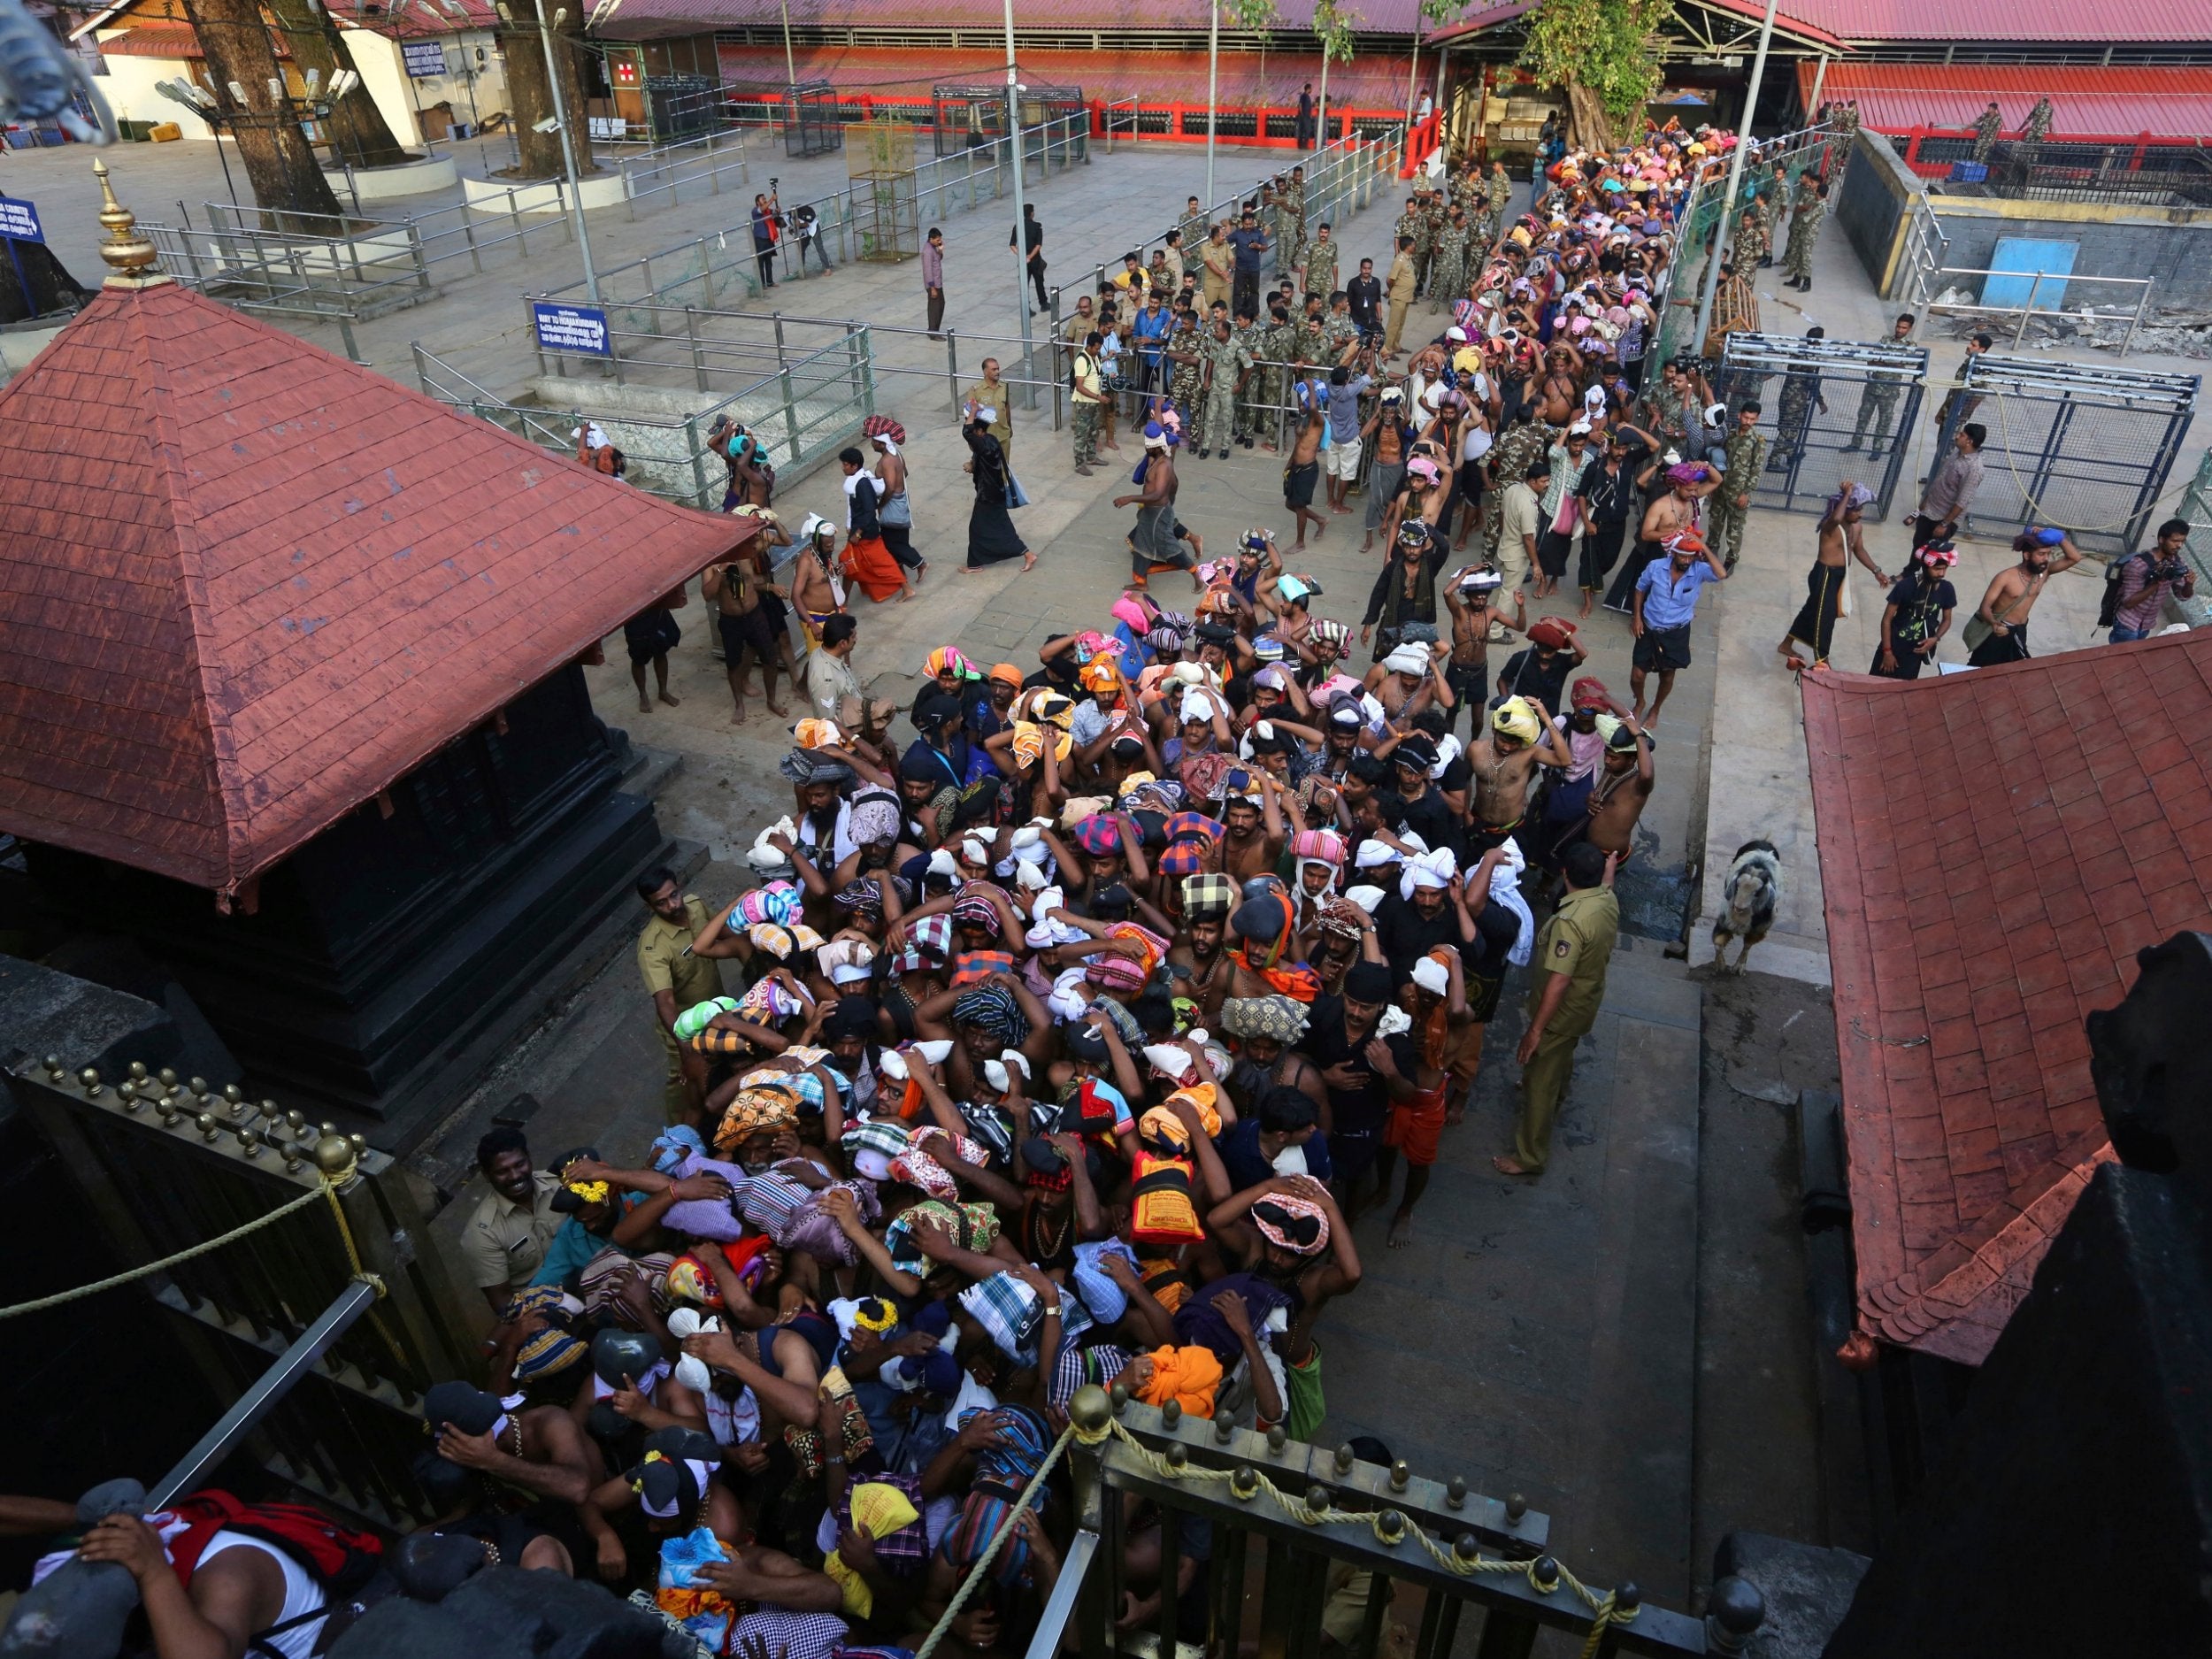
{"type": "Point", "coordinates": [1152, 77]}
{"type": "Point", "coordinates": [2174, 104]}
{"type": "Point", "coordinates": [168, 39]}
{"type": "Point", "coordinates": [2176, 20]}
{"type": "Point", "coordinates": [641, 19]}
{"type": "Point", "coordinates": [1792, 22]}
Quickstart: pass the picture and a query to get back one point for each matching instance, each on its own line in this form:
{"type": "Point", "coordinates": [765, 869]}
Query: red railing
{"type": "Point", "coordinates": [1421, 139]}
{"type": "Point", "coordinates": [1960, 140]}
{"type": "Point", "coordinates": [1276, 128]}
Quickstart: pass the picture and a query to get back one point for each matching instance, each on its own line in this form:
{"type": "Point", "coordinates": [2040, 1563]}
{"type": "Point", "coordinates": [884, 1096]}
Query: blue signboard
{"type": "Point", "coordinates": [425, 59]}
{"type": "Point", "coordinates": [581, 329]}
{"type": "Point", "coordinates": [20, 219]}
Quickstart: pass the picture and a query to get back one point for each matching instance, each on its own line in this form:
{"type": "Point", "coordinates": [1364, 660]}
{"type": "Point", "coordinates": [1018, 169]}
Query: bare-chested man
{"type": "Point", "coordinates": [2014, 591]}
{"type": "Point", "coordinates": [1200, 966]}
{"type": "Point", "coordinates": [1504, 761]}
{"type": "Point", "coordinates": [1469, 596]}
{"type": "Point", "coordinates": [1152, 542]}
{"type": "Point", "coordinates": [1843, 539]}
{"type": "Point", "coordinates": [734, 590]}
{"type": "Point", "coordinates": [1624, 784]}
{"type": "Point", "coordinates": [1302, 473]}
{"type": "Point", "coordinates": [1253, 832]}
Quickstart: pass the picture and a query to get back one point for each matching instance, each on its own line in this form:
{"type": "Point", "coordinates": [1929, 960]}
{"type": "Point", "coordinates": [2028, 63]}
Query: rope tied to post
{"type": "Point", "coordinates": [325, 1187]}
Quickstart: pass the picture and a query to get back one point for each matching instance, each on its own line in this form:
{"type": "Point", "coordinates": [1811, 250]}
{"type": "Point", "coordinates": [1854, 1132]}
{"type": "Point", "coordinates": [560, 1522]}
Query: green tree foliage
{"type": "Point", "coordinates": [1333, 25]}
{"type": "Point", "coordinates": [1604, 53]}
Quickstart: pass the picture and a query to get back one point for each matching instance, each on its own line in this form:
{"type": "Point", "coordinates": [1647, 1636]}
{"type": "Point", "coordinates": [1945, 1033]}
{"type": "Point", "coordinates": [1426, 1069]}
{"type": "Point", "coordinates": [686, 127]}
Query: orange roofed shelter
{"type": "Point", "coordinates": [277, 629]}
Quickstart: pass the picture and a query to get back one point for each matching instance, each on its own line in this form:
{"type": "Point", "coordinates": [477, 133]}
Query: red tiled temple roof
{"type": "Point", "coordinates": [1995, 848]}
{"type": "Point", "coordinates": [246, 585]}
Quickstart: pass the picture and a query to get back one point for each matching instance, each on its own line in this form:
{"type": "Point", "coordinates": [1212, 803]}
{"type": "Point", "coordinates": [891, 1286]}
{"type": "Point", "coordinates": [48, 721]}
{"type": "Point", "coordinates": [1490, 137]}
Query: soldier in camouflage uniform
{"type": "Point", "coordinates": [1812, 207]}
{"type": "Point", "coordinates": [1743, 251]}
{"type": "Point", "coordinates": [1497, 190]}
{"type": "Point", "coordinates": [1227, 365]}
{"type": "Point", "coordinates": [1319, 275]}
{"type": "Point", "coordinates": [1878, 401]}
{"type": "Point", "coordinates": [1766, 207]}
{"type": "Point", "coordinates": [1448, 285]}
{"type": "Point", "coordinates": [1743, 456]}
{"type": "Point", "coordinates": [1271, 352]}
{"type": "Point", "coordinates": [1988, 125]}
{"type": "Point", "coordinates": [1251, 338]}
{"type": "Point", "coordinates": [1310, 338]}
{"type": "Point", "coordinates": [1424, 243]}
{"type": "Point", "coordinates": [1843, 121]}
{"type": "Point", "coordinates": [1187, 373]}
{"type": "Point", "coordinates": [1294, 238]}
{"type": "Point", "coordinates": [1509, 459]}
{"type": "Point", "coordinates": [1410, 225]}
{"type": "Point", "coordinates": [1338, 332]}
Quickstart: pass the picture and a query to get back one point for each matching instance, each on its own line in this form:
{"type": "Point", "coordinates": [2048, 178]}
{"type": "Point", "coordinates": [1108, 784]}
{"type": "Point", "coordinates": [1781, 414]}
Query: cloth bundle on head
{"type": "Point", "coordinates": [1275, 1017]}
{"type": "Point", "coordinates": [1340, 918]}
{"type": "Point", "coordinates": [781, 941]}
{"type": "Point", "coordinates": [949, 659]}
{"type": "Point", "coordinates": [875, 818]}
{"type": "Point", "coordinates": [846, 960]}
{"type": "Point", "coordinates": [1551, 634]}
{"type": "Point", "coordinates": [1292, 1222]}
{"type": "Point", "coordinates": [1098, 834]}
{"type": "Point", "coordinates": [1164, 1131]}
{"type": "Point", "coordinates": [812, 734]}
{"type": "Point", "coordinates": [779, 902]}
{"type": "Point", "coordinates": [1191, 837]}
{"type": "Point", "coordinates": [767, 1110]}
{"type": "Point", "coordinates": [1428, 869]}
{"type": "Point", "coordinates": [973, 1227]}
{"type": "Point", "coordinates": [553, 1348]}
{"type": "Point", "coordinates": [886, 1516]}
{"type": "Point", "coordinates": [1161, 1210]}
{"type": "Point", "coordinates": [1407, 659]}
{"type": "Point", "coordinates": [1188, 1376]}
{"type": "Point", "coordinates": [1208, 898]}
{"type": "Point", "coordinates": [771, 1002]}
{"type": "Point", "coordinates": [1514, 718]}
{"type": "Point", "coordinates": [1860, 496]}
{"type": "Point", "coordinates": [996, 1011]}
{"type": "Point", "coordinates": [1588, 692]}
{"type": "Point", "coordinates": [1318, 847]}
{"type": "Point", "coordinates": [971, 909]}
{"type": "Point", "coordinates": [1124, 975]}
{"type": "Point", "coordinates": [1009, 1312]}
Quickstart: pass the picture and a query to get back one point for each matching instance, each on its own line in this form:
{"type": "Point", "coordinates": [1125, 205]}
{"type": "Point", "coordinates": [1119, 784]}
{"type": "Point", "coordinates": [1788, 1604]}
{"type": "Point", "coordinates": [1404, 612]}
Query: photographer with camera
{"type": "Point", "coordinates": [2146, 580]}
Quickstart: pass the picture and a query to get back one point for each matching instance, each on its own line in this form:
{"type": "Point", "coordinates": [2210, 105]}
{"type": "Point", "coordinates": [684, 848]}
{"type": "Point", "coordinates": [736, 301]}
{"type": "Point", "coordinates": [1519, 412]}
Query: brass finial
{"type": "Point", "coordinates": [129, 255]}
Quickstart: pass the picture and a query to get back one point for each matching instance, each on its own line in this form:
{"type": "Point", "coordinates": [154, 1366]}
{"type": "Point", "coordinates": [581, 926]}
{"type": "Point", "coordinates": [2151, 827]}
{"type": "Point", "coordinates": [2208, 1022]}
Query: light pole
{"type": "Point", "coordinates": [1213, 91]}
{"type": "Point", "coordinates": [568, 145]}
{"type": "Point", "coordinates": [790, 65]}
{"type": "Point", "coordinates": [1735, 179]}
{"type": "Point", "coordinates": [1021, 215]}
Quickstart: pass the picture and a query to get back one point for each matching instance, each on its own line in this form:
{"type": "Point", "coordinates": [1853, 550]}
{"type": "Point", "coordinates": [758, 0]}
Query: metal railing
{"type": "Point", "coordinates": [1700, 216]}
{"type": "Point", "coordinates": [1933, 281]}
{"type": "Point", "coordinates": [2196, 506]}
{"type": "Point", "coordinates": [1305, 1510]}
{"type": "Point", "coordinates": [801, 404]}
{"type": "Point", "coordinates": [1341, 180]}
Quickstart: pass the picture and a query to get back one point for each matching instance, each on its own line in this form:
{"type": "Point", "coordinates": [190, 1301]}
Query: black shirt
{"type": "Point", "coordinates": [1526, 676]}
{"type": "Point", "coordinates": [1406, 936]}
{"type": "Point", "coordinates": [1353, 1113]}
{"type": "Point", "coordinates": [1365, 293]}
{"type": "Point", "coordinates": [1608, 497]}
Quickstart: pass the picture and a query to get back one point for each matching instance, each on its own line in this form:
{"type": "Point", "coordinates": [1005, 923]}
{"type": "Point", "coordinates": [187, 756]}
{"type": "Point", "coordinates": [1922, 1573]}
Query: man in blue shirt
{"type": "Point", "coordinates": [1341, 462]}
{"type": "Point", "coordinates": [1248, 242]}
{"type": "Point", "coordinates": [1666, 600]}
{"type": "Point", "coordinates": [1151, 326]}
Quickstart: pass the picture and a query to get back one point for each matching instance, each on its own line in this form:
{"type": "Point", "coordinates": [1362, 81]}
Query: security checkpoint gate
{"type": "Point", "coordinates": [2086, 447]}
{"type": "Point", "coordinates": [1830, 410]}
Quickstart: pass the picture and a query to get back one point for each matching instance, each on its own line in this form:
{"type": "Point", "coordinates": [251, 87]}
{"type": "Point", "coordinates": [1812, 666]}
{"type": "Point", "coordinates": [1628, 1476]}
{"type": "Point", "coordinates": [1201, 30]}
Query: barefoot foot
{"type": "Point", "coordinates": [1505, 1165]}
{"type": "Point", "coordinates": [1401, 1232]}
{"type": "Point", "coordinates": [670, 698]}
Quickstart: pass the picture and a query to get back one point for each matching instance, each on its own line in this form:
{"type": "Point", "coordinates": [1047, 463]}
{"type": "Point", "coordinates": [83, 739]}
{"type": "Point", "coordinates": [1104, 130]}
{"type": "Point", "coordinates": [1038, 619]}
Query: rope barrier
{"type": "Point", "coordinates": [998, 1538]}
{"type": "Point", "coordinates": [202, 1248]}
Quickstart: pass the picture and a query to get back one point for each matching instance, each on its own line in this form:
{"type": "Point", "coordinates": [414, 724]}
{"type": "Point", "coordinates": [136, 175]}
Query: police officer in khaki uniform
{"type": "Point", "coordinates": [675, 980]}
{"type": "Point", "coordinates": [1566, 987]}
{"type": "Point", "coordinates": [505, 1240]}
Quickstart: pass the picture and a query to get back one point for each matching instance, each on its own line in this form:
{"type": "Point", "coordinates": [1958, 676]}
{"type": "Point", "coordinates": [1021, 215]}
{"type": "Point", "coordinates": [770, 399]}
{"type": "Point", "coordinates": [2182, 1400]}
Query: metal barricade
{"type": "Point", "coordinates": [1307, 1514]}
{"type": "Point", "coordinates": [1831, 409]}
{"type": "Point", "coordinates": [2086, 447]}
{"type": "Point", "coordinates": [167, 1164]}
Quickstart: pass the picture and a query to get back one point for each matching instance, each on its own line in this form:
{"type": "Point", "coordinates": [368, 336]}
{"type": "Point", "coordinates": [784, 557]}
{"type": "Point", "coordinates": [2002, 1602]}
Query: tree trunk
{"type": "Point", "coordinates": [280, 163]}
{"type": "Point", "coordinates": [358, 128]}
{"type": "Point", "coordinates": [533, 99]}
{"type": "Point", "coordinates": [1588, 125]}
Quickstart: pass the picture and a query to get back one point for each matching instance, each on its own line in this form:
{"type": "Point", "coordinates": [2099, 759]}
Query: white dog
{"type": "Point", "coordinates": [1753, 889]}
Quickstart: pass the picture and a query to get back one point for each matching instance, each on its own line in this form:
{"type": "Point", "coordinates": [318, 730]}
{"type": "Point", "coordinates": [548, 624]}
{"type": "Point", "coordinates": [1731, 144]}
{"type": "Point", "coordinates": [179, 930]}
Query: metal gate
{"type": "Point", "coordinates": [2077, 445]}
{"type": "Point", "coordinates": [1831, 409]}
{"type": "Point", "coordinates": [813, 121]}
{"type": "Point", "coordinates": [1280, 1522]}
{"type": "Point", "coordinates": [331, 1272]}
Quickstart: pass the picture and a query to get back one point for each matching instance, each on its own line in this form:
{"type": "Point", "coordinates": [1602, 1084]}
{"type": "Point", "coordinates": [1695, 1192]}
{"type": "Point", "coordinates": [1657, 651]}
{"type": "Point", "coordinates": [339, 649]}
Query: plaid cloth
{"type": "Point", "coordinates": [972, 910]}
{"type": "Point", "coordinates": [878, 1135]}
{"type": "Point", "coordinates": [992, 1007]}
{"type": "Point", "coordinates": [903, 1551]}
{"type": "Point", "coordinates": [1098, 834]}
{"type": "Point", "coordinates": [929, 941]}
{"type": "Point", "coordinates": [1077, 1366]}
{"type": "Point", "coordinates": [971, 965]}
{"type": "Point", "coordinates": [973, 1227]}
{"type": "Point", "coordinates": [1010, 1313]}
{"type": "Point", "coordinates": [771, 1201]}
{"type": "Point", "coordinates": [1206, 898]}
{"type": "Point", "coordinates": [787, 1634]}
{"type": "Point", "coordinates": [1126, 974]}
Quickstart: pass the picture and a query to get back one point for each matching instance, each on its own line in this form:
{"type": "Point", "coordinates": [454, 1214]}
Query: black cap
{"type": "Point", "coordinates": [618, 1354]}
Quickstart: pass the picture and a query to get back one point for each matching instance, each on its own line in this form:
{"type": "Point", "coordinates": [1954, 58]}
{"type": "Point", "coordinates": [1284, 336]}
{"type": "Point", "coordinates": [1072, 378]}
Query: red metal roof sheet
{"type": "Point", "coordinates": [2175, 20]}
{"type": "Point", "coordinates": [1798, 20]}
{"type": "Point", "coordinates": [1990, 863]}
{"type": "Point", "coordinates": [2086, 102]}
{"type": "Point", "coordinates": [168, 39]}
{"type": "Point", "coordinates": [245, 585]}
{"type": "Point", "coordinates": [1373, 81]}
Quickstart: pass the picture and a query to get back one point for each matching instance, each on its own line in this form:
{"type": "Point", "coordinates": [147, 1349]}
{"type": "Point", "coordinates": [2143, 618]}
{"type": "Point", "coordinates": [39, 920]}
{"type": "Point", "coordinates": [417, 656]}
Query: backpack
{"type": "Point", "coordinates": [2109, 606]}
{"type": "Point", "coordinates": [340, 1560]}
